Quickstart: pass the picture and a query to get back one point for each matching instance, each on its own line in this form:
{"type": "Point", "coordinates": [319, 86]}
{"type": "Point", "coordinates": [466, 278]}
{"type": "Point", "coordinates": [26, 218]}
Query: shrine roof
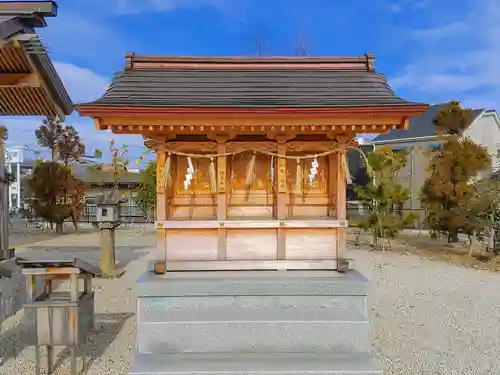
{"type": "Point", "coordinates": [267, 82]}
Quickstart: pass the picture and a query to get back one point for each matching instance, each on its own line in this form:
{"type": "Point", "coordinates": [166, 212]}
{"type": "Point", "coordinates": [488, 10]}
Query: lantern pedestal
{"type": "Point", "coordinates": [108, 218]}
{"type": "Point", "coordinates": [253, 322]}
{"type": "Point", "coordinates": [107, 255]}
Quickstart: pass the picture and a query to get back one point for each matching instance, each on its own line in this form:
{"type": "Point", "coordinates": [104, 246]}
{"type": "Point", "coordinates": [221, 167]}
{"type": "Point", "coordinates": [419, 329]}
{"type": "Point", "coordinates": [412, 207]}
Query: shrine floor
{"type": "Point", "coordinates": [427, 317]}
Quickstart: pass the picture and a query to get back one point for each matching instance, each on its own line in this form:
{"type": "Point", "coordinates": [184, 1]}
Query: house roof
{"type": "Point", "coordinates": [90, 175]}
{"type": "Point", "coordinates": [29, 83]}
{"type": "Point", "coordinates": [150, 81]}
{"type": "Point", "coordinates": [421, 126]}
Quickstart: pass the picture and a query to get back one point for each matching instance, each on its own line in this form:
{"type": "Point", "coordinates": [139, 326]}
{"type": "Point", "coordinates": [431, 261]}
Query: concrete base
{"type": "Point", "coordinates": [253, 322]}
{"type": "Point", "coordinates": [113, 274]}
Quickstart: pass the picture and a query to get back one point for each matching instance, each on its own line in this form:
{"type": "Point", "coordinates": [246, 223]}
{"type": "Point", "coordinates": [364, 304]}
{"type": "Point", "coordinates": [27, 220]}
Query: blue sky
{"type": "Point", "coordinates": [431, 50]}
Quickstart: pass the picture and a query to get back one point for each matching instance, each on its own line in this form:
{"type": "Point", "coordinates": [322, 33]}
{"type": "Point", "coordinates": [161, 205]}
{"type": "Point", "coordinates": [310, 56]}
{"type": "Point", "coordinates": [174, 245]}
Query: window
{"type": "Point", "coordinates": [434, 146]}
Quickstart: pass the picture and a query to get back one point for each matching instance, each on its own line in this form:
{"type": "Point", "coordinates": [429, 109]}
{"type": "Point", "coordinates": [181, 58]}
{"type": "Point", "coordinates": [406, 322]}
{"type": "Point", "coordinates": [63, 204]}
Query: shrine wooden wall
{"type": "Point", "coordinates": [240, 222]}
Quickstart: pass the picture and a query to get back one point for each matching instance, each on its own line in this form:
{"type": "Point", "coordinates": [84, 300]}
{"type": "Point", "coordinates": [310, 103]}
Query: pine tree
{"type": "Point", "coordinates": [448, 194]}
{"type": "Point", "coordinates": [383, 194]}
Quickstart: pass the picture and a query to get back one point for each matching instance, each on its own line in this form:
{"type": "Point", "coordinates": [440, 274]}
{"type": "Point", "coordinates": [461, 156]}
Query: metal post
{"type": "Point", "coordinates": [18, 184]}
{"type": "Point", "coordinates": [4, 202]}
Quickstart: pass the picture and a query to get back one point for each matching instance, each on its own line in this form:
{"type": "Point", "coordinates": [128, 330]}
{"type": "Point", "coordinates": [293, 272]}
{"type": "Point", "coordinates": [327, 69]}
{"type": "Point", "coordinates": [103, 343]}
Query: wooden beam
{"type": "Point", "coordinates": [260, 123]}
{"type": "Point", "coordinates": [59, 111]}
{"type": "Point", "coordinates": [19, 80]}
{"type": "Point", "coordinates": [43, 8]}
{"type": "Point", "coordinates": [243, 265]}
{"type": "Point", "coordinates": [250, 224]}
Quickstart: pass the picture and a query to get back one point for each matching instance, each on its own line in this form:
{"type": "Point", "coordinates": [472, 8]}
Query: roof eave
{"type": "Point", "coordinates": [42, 65]}
{"type": "Point", "coordinates": [53, 83]}
{"type": "Point", "coordinates": [100, 110]}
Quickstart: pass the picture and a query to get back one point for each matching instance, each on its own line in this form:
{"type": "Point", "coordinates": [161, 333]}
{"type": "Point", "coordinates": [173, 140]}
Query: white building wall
{"type": "Point", "coordinates": [485, 131]}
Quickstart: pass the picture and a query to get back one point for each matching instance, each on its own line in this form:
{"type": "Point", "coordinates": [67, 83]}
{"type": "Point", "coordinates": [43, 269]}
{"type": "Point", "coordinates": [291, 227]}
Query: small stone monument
{"type": "Point", "coordinates": [107, 219]}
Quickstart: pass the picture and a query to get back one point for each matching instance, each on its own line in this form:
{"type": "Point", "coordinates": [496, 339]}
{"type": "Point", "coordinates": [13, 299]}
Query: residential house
{"type": "Point", "coordinates": [421, 137]}
{"type": "Point", "coordinates": [96, 181]}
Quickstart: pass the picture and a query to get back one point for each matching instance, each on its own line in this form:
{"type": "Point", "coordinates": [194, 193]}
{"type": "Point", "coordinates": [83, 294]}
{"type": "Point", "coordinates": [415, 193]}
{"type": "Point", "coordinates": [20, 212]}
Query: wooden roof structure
{"type": "Point", "coordinates": [29, 83]}
{"type": "Point", "coordinates": [185, 95]}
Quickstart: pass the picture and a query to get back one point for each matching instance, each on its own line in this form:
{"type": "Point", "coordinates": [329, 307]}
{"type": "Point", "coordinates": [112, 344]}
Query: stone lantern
{"type": "Point", "coordinates": [107, 219]}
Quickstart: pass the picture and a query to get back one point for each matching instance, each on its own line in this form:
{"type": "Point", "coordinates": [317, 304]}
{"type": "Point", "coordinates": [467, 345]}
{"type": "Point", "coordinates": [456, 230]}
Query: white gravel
{"type": "Point", "coordinates": [427, 317]}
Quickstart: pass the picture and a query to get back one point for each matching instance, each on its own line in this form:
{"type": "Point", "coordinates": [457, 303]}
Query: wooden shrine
{"type": "Point", "coordinates": [251, 152]}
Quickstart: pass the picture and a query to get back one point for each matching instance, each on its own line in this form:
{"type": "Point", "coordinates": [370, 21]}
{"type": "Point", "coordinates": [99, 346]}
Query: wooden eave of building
{"type": "Point", "coordinates": [29, 83]}
{"type": "Point", "coordinates": [198, 95]}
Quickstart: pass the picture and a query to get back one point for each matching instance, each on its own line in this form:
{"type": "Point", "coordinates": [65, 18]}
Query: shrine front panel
{"type": "Point", "coordinates": [311, 243]}
{"type": "Point", "coordinates": [191, 244]}
{"type": "Point", "coordinates": [251, 244]}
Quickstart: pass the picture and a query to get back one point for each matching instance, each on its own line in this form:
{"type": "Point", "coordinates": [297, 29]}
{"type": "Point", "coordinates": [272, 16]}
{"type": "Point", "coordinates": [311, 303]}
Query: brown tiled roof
{"type": "Point", "coordinates": [249, 82]}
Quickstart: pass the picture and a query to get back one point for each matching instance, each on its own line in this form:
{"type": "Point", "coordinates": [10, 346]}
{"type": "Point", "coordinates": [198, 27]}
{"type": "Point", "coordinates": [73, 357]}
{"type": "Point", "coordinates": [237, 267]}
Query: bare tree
{"type": "Point", "coordinates": [299, 46]}
{"type": "Point", "coordinates": [256, 43]}
{"type": "Point", "coordinates": [49, 135]}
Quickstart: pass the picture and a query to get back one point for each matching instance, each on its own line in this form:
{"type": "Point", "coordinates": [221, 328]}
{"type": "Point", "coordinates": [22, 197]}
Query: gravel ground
{"type": "Point", "coordinates": [427, 317]}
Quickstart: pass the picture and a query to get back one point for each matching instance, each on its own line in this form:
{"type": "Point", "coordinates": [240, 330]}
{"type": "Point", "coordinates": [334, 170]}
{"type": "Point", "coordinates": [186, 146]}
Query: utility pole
{"type": "Point", "coordinates": [4, 203]}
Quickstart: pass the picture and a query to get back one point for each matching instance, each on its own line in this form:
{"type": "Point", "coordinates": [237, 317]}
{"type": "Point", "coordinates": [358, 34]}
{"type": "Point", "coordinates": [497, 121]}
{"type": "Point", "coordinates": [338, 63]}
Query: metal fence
{"type": "Point", "coordinates": [357, 214]}
{"type": "Point", "coordinates": [129, 213]}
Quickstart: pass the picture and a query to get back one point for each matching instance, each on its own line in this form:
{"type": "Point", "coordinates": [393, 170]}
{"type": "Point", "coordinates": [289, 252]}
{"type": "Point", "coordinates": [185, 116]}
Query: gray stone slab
{"type": "Point", "coordinates": [154, 309]}
{"type": "Point", "coordinates": [255, 364]}
{"type": "Point", "coordinates": [251, 283]}
{"type": "Point", "coordinates": [305, 314]}
{"type": "Point", "coordinates": [254, 336]}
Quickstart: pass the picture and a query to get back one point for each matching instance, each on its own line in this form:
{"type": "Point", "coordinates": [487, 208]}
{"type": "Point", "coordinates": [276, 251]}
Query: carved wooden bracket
{"type": "Point", "coordinates": [240, 146]}
{"type": "Point", "coordinates": [311, 146]}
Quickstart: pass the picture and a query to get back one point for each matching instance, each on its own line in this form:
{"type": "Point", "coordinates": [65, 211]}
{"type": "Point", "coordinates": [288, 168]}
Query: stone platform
{"type": "Point", "coordinates": [253, 323]}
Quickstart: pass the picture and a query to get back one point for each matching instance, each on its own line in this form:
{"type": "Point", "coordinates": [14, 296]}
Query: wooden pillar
{"type": "Point", "coordinates": [281, 199]}
{"type": "Point", "coordinates": [221, 198]}
{"type": "Point", "coordinates": [341, 208]}
{"type": "Point", "coordinates": [332, 185]}
{"type": "Point", "coordinates": [161, 206]}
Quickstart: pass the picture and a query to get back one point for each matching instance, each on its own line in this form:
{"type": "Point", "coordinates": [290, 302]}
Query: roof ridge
{"type": "Point", "coordinates": [365, 62]}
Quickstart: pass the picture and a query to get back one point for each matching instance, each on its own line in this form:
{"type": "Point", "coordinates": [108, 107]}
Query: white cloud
{"type": "Point", "coordinates": [79, 34]}
{"type": "Point", "coordinates": [82, 84]}
{"type": "Point", "coordinates": [464, 64]}
{"type": "Point", "coordinates": [135, 6]}
{"type": "Point", "coordinates": [438, 33]}
{"type": "Point", "coordinates": [22, 129]}
{"type": "Point", "coordinates": [399, 6]}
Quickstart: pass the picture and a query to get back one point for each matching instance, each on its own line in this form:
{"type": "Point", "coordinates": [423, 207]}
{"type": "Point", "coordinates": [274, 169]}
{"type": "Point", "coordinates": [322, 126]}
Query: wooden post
{"type": "Point", "coordinates": [341, 202]}
{"type": "Point", "coordinates": [281, 199]}
{"type": "Point", "coordinates": [332, 185]}
{"type": "Point", "coordinates": [161, 207]}
{"type": "Point", "coordinates": [221, 198]}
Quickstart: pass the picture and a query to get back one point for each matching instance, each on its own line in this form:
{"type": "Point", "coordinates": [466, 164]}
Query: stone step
{"type": "Point", "coordinates": [252, 283]}
{"type": "Point", "coordinates": [255, 364]}
{"type": "Point", "coordinates": [152, 309]}
{"type": "Point", "coordinates": [255, 331]}
{"type": "Point", "coordinates": [303, 314]}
